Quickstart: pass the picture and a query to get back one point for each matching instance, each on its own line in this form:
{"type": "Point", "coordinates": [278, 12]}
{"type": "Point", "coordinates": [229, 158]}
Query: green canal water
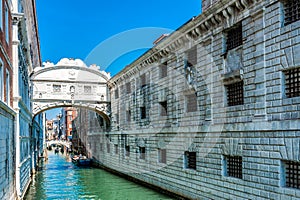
{"type": "Point", "coordinates": [61, 179]}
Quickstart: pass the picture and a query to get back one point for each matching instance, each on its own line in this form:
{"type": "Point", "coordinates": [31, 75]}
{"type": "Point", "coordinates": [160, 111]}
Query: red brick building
{"type": "Point", "coordinates": [6, 68]}
{"type": "Point", "coordinates": [70, 114]}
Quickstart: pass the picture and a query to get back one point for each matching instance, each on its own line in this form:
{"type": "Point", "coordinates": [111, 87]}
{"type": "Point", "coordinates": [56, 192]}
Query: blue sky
{"type": "Point", "coordinates": [110, 34]}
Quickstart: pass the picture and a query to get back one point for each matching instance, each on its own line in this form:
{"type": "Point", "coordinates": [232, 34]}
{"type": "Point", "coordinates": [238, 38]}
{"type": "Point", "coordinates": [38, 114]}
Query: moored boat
{"type": "Point", "coordinates": [81, 160]}
{"type": "Point", "coordinates": [56, 150]}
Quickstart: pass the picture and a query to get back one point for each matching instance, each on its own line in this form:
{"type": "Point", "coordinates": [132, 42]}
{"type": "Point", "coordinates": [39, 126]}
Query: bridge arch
{"type": "Point", "coordinates": [58, 142]}
{"type": "Point", "coordinates": [70, 83]}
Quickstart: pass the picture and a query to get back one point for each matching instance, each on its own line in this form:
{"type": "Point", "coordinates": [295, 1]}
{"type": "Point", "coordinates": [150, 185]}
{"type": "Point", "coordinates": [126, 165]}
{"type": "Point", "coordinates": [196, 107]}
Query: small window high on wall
{"type": "Point", "coordinates": [291, 174]}
{"type": "Point", "coordinates": [291, 11]}
{"type": "Point", "coordinates": [190, 160]}
{"type": "Point", "coordinates": [163, 70]}
{"type": "Point", "coordinates": [191, 103]}
{"type": "Point", "coordinates": [292, 82]}
{"type": "Point", "coordinates": [235, 93]}
{"type": "Point", "coordinates": [234, 37]}
{"type": "Point", "coordinates": [233, 166]}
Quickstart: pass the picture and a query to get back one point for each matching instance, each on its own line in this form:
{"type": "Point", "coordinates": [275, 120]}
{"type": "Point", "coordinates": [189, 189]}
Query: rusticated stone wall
{"type": "Point", "coordinates": [152, 112]}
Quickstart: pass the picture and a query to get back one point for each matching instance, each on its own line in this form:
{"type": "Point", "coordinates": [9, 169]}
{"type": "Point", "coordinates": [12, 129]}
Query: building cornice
{"type": "Point", "coordinates": [222, 12]}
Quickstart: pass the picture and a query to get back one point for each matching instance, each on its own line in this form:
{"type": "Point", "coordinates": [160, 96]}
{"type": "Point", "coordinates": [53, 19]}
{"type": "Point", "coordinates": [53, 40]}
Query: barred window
{"type": "Point", "coordinates": [56, 88]}
{"type": "Point", "coordinates": [128, 115]}
{"type": "Point", "coordinates": [127, 150]}
{"type": "Point", "coordinates": [143, 112]}
{"type": "Point", "coordinates": [142, 152]}
{"type": "Point", "coordinates": [128, 88]}
{"type": "Point", "coordinates": [143, 80]}
{"type": "Point", "coordinates": [116, 149]}
{"type": "Point", "coordinates": [163, 108]}
{"type": "Point", "coordinates": [192, 56]}
{"type": "Point", "coordinates": [163, 70]}
{"type": "Point", "coordinates": [234, 166]}
{"type": "Point", "coordinates": [116, 93]}
{"type": "Point", "coordinates": [87, 89]}
{"type": "Point", "coordinates": [190, 160]}
{"type": "Point", "coordinates": [291, 11]}
{"type": "Point", "coordinates": [292, 174]}
{"type": "Point", "coordinates": [117, 118]}
{"type": "Point", "coordinates": [191, 103]}
{"type": "Point", "coordinates": [235, 93]}
{"type": "Point", "coordinates": [162, 155]}
{"type": "Point", "coordinates": [108, 147]}
{"type": "Point", "coordinates": [234, 37]}
{"type": "Point", "coordinates": [292, 82]}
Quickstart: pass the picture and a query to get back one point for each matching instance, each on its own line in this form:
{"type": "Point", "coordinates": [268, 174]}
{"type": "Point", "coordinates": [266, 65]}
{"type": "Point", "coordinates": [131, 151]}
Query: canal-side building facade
{"type": "Point", "coordinates": [69, 114]}
{"type": "Point", "coordinates": [7, 114]}
{"type": "Point", "coordinates": [25, 54]}
{"type": "Point", "coordinates": [28, 130]}
{"type": "Point", "coordinates": [212, 111]}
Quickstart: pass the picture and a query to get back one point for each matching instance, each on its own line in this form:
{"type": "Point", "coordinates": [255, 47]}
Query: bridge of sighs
{"type": "Point", "coordinates": [70, 83]}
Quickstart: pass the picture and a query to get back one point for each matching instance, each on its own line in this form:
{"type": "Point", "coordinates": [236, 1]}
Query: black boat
{"type": "Point", "coordinates": [81, 160]}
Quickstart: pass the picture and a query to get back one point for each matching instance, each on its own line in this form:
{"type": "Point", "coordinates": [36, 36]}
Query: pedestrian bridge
{"type": "Point", "coordinates": [70, 83]}
{"type": "Point", "coordinates": [58, 142]}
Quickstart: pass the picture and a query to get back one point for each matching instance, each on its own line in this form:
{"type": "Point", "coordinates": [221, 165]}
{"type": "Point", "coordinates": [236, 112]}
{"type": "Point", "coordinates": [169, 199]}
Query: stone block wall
{"type": "Point", "coordinates": [262, 130]}
{"type": "Point", "coordinates": [7, 152]}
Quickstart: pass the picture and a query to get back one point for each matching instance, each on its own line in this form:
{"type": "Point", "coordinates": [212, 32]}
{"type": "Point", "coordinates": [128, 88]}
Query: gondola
{"type": "Point", "coordinates": [81, 160]}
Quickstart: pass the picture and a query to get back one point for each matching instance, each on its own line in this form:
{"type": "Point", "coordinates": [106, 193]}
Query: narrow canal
{"type": "Point", "coordinates": [60, 179]}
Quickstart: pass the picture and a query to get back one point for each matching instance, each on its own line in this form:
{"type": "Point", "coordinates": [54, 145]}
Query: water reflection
{"type": "Point", "coordinates": [60, 179]}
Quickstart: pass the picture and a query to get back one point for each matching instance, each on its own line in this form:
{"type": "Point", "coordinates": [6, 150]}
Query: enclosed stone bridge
{"type": "Point", "coordinates": [70, 83]}
{"type": "Point", "coordinates": [58, 143]}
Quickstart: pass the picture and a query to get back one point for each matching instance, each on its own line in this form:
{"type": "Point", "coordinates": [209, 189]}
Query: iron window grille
{"type": "Point", "coordinates": [234, 37]}
{"type": "Point", "coordinates": [128, 115]}
{"type": "Point", "coordinates": [117, 118]}
{"type": "Point", "coordinates": [292, 174]}
{"type": "Point", "coordinates": [108, 147]}
{"type": "Point", "coordinates": [116, 149]}
{"type": "Point", "coordinates": [291, 11]}
{"type": "Point", "coordinates": [163, 108]}
{"type": "Point", "coordinates": [192, 56]}
{"type": "Point", "coordinates": [127, 150]}
{"type": "Point", "coordinates": [234, 166]}
{"type": "Point", "coordinates": [143, 80]}
{"type": "Point", "coordinates": [142, 153]}
{"type": "Point", "coordinates": [235, 93]}
{"type": "Point", "coordinates": [292, 82]}
{"type": "Point", "coordinates": [163, 70]}
{"type": "Point", "coordinates": [128, 88]}
{"type": "Point", "coordinates": [143, 112]}
{"type": "Point", "coordinates": [162, 155]}
{"type": "Point", "coordinates": [190, 160]}
{"type": "Point", "coordinates": [56, 88]}
{"type": "Point", "coordinates": [191, 103]}
{"type": "Point", "coordinates": [116, 93]}
{"type": "Point", "coordinates": [87, 89]}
